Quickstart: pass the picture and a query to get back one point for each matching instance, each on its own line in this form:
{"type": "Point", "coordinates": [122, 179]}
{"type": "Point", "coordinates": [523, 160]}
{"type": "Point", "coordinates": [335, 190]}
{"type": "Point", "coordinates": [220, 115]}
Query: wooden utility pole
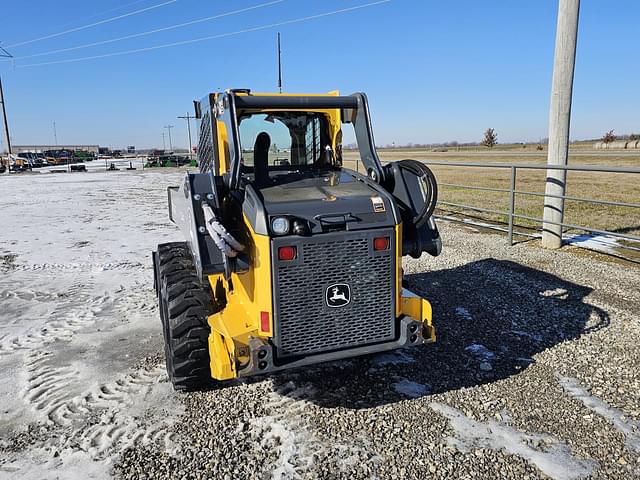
{"type": "Point", "coordinates": [4, 116]}
{"type": "Point", "coordinates": [169, 127]}
{"type": "Point", "coordinates": [559, 120]}
{"type": "Point", "coordinates": [188, 118]}
{"type": "Point", "coordinates": [5, 54]}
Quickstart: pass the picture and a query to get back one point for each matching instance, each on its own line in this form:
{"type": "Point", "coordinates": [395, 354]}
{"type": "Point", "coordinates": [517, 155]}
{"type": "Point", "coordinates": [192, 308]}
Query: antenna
{"type": "Point", "coordinates": [279, 66]}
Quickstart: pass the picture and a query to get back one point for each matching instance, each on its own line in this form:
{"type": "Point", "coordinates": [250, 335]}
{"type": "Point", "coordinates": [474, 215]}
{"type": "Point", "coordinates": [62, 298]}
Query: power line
{"type": "Point", "coordinates": [210, 37]}
{"type": "Point", "coordinates": [149, 32]}
{"type": "Point", "coordinates": [101, 22]}
{"type": "Point", "coordinates": [96, 15]}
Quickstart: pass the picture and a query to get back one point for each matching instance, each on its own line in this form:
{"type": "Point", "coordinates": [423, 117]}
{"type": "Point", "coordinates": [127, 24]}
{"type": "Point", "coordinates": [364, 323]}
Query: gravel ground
{"type": "Point", "coordinates": [535, 374]}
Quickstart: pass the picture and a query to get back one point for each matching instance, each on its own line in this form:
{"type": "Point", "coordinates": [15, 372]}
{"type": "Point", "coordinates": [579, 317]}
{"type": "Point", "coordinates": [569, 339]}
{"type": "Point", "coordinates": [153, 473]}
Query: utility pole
{"type": "Point", "coordinates": [4, 53]}
{"type": "Point", "coordinates": [559, 120]}
{"type": "Point", "coordinates": [188, 118]}
{"type": "Point", "coordinates": [164, 144]}
{"type": "Point", "coordinates": [169, 127]}
{"type": "Point", "coordinates": [55, 133]}
{"type": "Point", "coordinates": [279, 66]}
{"type": "Point", "coordinates": [4, 116]}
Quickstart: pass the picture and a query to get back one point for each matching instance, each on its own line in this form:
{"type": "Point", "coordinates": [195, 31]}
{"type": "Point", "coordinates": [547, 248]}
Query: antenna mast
{"type": "Point", "coordinates": [279, 66]}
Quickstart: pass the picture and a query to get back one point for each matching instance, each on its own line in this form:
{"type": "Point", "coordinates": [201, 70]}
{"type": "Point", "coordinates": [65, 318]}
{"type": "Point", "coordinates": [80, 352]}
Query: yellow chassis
{"type": "Point", "coordinates": [238, 327]}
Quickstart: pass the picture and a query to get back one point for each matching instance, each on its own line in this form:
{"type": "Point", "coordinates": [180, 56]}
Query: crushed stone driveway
{"type": "Point", "coordinates": [535, 373]}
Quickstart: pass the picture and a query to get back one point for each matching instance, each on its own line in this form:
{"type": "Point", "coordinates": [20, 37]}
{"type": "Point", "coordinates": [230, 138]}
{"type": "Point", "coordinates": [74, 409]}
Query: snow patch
{"type": "Point", "coordinates": [629, 428]}
{"type": "Point", "coordinates": [78, 312]}
{"type": "Point", "coordinates": [480, 352]}
{"type": "Point", "coordinates": [411, 389]}
{"type": "Point", "coordinates": [286, 430]}
{"type": "Point", "coordinates": [398, 357]}
{"type": "Point", "coordinates": [601, 243]}
{"type": "Point", "coordinates": [463, 313]}
{"type": "Point", "coordinates": [556, 292]}
{"type": "Point", "coordinates": [532, 336]}
{"type": "Point", "coordinates": [69, 465]}
{"type": "Point", "coordinates": [555, 460]}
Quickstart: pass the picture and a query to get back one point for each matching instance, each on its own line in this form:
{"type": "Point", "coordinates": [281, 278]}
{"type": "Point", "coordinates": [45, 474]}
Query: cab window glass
{"type": "Point", "coordinates": [295, 138]}
{"type": "Point", "coordinates": [279, 135]}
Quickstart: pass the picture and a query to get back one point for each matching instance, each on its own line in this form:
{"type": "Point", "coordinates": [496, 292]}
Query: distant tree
{"type": "Point", "coordinates": [634, 136]}
{"type": "Point", "coordinates": [608, 137]}
{"type": "Point", "coordinates": [490, 138]}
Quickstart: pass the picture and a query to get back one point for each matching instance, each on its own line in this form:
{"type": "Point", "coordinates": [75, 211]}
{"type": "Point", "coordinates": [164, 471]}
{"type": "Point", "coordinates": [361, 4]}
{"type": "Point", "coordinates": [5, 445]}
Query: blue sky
{"type": "Point", "coordinates": [434, 71]}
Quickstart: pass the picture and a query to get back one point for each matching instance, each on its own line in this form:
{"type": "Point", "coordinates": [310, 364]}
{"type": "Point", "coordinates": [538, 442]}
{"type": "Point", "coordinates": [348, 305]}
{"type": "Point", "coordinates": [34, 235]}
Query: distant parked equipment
{"type": "Point", "coordinates": [59, 157]}
{"type": "Point", "coordinates": [158, 158]}
{"type": "Point", "coordinates": [42, 148]}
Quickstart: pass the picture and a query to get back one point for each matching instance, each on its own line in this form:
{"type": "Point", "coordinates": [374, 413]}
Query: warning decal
{"type": "Point", "coordinates": [378, 204]}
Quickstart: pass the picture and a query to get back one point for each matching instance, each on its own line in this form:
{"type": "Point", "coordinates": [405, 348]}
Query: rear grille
{"type": "Point", "coordinates": [304, 323]}
{"type": "Point", "coordinates": [206, 158]}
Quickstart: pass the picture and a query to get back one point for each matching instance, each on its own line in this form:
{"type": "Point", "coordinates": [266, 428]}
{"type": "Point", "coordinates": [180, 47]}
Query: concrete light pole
{"type": "Point", "coordinates": [559, 120]}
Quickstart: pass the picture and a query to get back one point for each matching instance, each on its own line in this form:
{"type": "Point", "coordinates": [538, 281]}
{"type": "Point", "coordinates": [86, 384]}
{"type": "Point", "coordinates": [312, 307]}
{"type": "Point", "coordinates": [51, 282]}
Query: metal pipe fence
{"type": "Point", "coordinates": [511, 214]}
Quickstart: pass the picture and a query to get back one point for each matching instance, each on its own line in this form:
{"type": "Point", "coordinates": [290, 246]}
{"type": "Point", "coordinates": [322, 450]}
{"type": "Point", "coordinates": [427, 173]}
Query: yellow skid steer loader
{"type": "Point", "coordinates": [290, 257]}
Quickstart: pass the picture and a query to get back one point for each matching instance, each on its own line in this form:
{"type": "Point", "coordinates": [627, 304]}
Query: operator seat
{"type": "Point", "coordinates": [261, 159]}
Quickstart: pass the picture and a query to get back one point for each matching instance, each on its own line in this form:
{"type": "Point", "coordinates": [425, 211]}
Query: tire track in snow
{"type": "Point", "coordinates": [81, 266]}
{"type": "Point", "coordinates": [99, 421]}
{"type": "Point", "coordinates": [76, 309]}
{"type": "Point", "coordinates": [116, 429]}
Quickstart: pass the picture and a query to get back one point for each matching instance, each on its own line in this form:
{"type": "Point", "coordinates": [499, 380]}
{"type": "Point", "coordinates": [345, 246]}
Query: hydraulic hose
{"type": "Point", "coordinates": [228, 245]}
{"type": "Point", "coordinates": [428, 187]}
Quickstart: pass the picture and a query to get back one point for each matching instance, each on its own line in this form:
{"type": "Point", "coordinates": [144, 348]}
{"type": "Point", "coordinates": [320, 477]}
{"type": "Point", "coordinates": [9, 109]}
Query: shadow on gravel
{"type": "Point", "coordinates": [491, 317]}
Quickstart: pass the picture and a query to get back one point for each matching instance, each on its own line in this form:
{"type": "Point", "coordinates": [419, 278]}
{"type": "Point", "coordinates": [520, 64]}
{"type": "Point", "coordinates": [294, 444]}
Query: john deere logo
{"type": "Point", "coordinates": [338, 295]}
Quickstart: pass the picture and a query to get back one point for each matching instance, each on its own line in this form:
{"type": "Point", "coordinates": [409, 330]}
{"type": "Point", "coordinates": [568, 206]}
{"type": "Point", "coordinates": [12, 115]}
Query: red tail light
{"type": "Point", "coordinates": [287, 253]}
{"type": "Point", "coordinates": [381, 243]}
{"type": "Point", "coordinates": [265, 325]}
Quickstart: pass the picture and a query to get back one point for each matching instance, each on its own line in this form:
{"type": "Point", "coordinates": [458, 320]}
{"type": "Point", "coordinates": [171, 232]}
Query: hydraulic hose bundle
{"type": "Point", "coordinates": [228, 245]}
{"type": "Point", "coordinates": [428, 186]}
